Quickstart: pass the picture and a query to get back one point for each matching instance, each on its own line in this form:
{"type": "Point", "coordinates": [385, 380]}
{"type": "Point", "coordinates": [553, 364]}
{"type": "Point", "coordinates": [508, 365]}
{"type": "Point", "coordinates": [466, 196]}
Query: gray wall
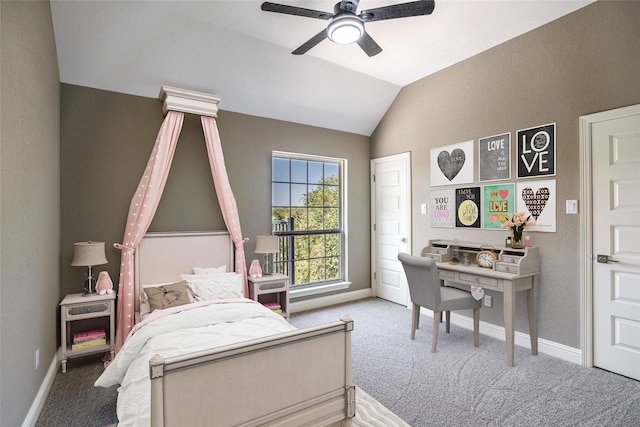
{"type": "Point", "coordinates": [106, 139]}
{"type": "Point", "coordinates": [29, 203]}
{"type": "Point", "coordinates": [580, 64]}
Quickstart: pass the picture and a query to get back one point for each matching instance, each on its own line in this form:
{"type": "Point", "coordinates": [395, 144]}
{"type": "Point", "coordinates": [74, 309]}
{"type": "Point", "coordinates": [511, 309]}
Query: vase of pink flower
{"type": "Point", "coordinates": [517, 224]}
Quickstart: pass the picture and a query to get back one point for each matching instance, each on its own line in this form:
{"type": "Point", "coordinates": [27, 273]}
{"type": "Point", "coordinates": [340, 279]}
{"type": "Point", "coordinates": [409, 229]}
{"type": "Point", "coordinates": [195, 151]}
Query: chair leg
{"type": "Point", "coordinates": [436, 325]}
{"type": "Point", "coordinates": [415, 316]}
{"type": "Point", "coordinates": [448, 321]}
{"type": "Point", "coordinates": [476, 327]}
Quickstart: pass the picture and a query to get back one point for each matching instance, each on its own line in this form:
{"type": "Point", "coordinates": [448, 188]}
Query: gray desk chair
{"type": "Point", "coordinates": [427, 291]}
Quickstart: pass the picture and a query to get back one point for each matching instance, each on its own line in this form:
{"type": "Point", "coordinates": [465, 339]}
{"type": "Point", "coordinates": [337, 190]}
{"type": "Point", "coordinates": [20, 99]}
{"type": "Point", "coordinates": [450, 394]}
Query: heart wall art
{"type": "Point", "coordinates": [538, 199]}
{"type": "Point", "coordinates": [498, 203]}
{"type": "Point", "coordinates": [452, 164]}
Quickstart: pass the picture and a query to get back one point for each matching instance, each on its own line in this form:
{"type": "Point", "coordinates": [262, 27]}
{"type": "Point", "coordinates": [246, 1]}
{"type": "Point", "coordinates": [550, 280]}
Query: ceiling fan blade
{"type": "Point", "coordinates": [403, 10]}
{"type": "Point", "coordinates": [311, 42]}
{"type": "Point", "coordinates": [298, 11]}
{"type": "Point", "coordinates": [369, 45]}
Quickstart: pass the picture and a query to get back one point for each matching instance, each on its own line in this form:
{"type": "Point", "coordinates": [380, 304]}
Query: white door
{"type": "Point", "coordinates": [616, 238]}
{"type": "Point", "coordinates": [391, 222]}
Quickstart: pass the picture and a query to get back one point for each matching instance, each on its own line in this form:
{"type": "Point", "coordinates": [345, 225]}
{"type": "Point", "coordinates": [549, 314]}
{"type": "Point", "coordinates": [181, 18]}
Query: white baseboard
{"type": "Point", "coordinates": [561, 351]}
{"type": "Point", "coordinates": [38, 403]}
{"type": "Point", "coordinates": [320, 302]}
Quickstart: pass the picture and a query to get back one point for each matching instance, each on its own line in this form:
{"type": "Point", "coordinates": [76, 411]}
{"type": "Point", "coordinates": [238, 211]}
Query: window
{"type": "Point", "coordinates": [306, 215]}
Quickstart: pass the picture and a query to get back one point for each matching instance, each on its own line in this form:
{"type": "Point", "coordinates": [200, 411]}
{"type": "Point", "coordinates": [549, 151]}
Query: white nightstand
{"type": "Point", "coordinates": [274, 288]}
{"type": "Point", "coordinates": [81, 314]}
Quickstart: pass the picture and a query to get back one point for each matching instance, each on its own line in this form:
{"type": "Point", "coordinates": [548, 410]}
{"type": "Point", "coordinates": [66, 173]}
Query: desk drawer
{"type": "Point", "coordinates": [511, 259]}
{"type": "Point", "coordinates": [506, 267]}
{"type": "Point", "coordinates": [485, 282]}
{"type": "Point", "coordinates": [444, 274]}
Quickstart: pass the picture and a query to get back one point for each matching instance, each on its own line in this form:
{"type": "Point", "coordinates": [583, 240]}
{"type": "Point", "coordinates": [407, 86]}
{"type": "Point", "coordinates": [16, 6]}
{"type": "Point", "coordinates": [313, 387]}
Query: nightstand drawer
{"type": "Point", "coordinates": [273, 286]}
{"type": "Point", "coordinates": [85, 309]}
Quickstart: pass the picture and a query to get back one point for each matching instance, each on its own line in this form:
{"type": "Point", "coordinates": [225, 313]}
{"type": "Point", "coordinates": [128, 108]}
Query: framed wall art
{"type": "Point", "coordinates": [452, 164]}
{"type": "Point", "coordinates": [494, 158]}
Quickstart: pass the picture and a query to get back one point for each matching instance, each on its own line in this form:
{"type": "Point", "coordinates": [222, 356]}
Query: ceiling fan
{"type": "Point", "coordinates": [346, 27]}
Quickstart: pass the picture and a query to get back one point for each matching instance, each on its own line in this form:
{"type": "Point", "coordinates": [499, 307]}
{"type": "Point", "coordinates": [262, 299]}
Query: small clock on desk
{"type": "Point", "coordinates": [485, 258]}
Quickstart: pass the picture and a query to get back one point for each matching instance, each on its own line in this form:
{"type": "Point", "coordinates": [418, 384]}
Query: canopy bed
{"type": "Point", "coordinates": [192, 349]}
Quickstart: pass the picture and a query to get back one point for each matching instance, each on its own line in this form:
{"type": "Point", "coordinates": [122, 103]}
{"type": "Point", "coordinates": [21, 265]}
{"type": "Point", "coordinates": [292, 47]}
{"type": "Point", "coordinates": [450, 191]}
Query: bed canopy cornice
{"type": "Point", "coordinates": [189, 101]}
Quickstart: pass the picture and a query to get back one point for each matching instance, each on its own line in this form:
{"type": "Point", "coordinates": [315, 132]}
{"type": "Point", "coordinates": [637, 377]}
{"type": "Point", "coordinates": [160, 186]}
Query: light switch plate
{"type": "Point", "coordinates": [572, 207]}
{"type": "Point", "coordinates": [423, 208]}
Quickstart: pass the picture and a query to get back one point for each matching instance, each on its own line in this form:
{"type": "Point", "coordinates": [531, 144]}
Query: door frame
{"type": "Point", "coordinates": [586, 226]}
{"type": "Point", "coordinates": [406, 156]}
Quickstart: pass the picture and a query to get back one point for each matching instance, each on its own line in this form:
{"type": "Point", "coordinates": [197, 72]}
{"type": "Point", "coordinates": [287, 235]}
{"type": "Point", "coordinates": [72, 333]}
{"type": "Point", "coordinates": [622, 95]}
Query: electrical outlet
{"type": "Point", "coordinates": [36, 359]}
{"type": "Point", "coordinates": [488, 301]}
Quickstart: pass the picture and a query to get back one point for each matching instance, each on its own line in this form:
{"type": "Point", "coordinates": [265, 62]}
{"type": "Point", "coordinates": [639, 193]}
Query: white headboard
{"type": "Point", "coordinates": [163, 257]}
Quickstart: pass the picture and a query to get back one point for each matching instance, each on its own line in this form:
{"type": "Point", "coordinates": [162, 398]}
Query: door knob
{"type": "Point", "coordinates": [403, 240]}
{"type": "Point", "coordinates": [604, 259]}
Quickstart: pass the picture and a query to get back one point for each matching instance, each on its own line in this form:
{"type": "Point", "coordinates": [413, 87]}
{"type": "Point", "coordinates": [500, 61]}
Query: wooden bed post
{"type": "Point", "coordinates": [156, 372]}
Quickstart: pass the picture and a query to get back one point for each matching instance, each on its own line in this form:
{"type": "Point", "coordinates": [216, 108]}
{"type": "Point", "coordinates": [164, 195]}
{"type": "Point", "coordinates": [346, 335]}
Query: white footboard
{"type": "Point", "coordinates": [302, 377]}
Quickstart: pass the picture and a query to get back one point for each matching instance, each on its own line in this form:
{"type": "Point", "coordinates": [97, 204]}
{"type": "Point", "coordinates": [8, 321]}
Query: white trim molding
{"type": "Point", "coordinates": [586, 225]}
{"type": "Point", "coordinates": [188, 101]}
{"type": "Point", "coordinates": [38, 403]}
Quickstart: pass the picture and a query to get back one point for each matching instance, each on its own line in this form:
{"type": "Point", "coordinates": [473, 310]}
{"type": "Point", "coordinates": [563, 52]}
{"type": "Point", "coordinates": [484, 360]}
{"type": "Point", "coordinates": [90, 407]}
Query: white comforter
{"type": "Point", "coordinates": [177, 331]}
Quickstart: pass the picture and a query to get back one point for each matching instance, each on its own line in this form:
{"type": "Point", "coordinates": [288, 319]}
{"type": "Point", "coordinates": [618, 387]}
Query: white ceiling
{"type": "Point", "coordinates": [235, 50]}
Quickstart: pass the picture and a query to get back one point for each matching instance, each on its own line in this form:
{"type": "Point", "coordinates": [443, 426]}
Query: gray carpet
{"type": "Point", "coordinates": [465, 386]}
{"type": "Point", "coordinates": [458, 386]}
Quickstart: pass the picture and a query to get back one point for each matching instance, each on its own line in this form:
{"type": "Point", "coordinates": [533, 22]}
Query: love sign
{"type": "Point", "coordinates": [537, 151]}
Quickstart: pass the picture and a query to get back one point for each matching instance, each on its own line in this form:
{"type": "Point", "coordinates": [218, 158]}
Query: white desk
{"type": "Point", "coordinates": [509, 285]}
{"type": "Point", "coordinates": [519, 271]}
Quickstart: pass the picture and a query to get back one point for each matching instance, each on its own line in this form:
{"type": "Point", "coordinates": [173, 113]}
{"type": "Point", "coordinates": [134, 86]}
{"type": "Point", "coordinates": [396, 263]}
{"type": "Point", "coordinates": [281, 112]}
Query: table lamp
{"type": "Point", "coordinates": [267, 245]}
{"type": "Point", "coordinates": [88, 254]}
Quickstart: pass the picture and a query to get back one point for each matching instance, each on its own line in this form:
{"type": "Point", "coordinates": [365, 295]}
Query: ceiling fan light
{"type": "Point", "coordinates": [345, 29]}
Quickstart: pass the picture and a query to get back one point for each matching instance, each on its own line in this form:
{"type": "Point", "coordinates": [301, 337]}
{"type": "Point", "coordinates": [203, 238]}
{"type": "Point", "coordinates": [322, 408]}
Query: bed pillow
{"type": "Point", "coordinates": [215, 287]}
{"type": "Point", "coordinates": [164, 296]}
{"type": "Point", "coordinates": [210, 270]}
{"type": "Point", "coordinates": [145, 307]}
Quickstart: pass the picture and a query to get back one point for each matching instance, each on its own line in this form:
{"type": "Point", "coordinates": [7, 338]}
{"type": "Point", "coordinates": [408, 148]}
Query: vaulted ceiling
{"type": "Point", "coordinates": [237, 51]}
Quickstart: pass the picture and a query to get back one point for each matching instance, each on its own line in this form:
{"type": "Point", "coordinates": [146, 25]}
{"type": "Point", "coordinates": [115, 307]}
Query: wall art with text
{"type": "Point", "coordinates": [468, 207]}
{"type": "Point", "coordinates": [452, 164]}
{"type": "Point", "coordinates": [538, 199]}
{"type": "Point", "coordinates": [537, 151]}
{"type": "Point", "coordinates": [494, 158]}
{"type": "Point", "coordinates": [498, 203]}
{"type": "Point", "coordinates": [443, 208]}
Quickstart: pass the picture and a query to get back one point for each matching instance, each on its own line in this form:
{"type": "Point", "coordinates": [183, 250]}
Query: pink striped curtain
{"type": "Point", "coordinates": [141, 211]}
{"type": "Point", "coordinates": [225, 196]}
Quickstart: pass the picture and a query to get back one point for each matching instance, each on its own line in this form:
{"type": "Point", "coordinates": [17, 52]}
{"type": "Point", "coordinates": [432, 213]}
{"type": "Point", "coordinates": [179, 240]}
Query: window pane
{"type": "Point", "coordinates": [299, 171]}
{"type": "Point", "coordinates": [315, 221]}
{"type": "Point", "coordinates": [331, 196]}
{"type": "Point", "coordinates": [298, 194]}
{"type": "Point", "coordinates": [331, 172]}
{"type": "Point", "coordinates": [315, 195]}
{"type": "Point", "coordinates": [279, 194]}
{"type": "Point", "coordinates": [301, 271]}
{"type": "Point", "coordinates": [315, 172]}
{"type": "Point", "coordinates": [316, 245]}
{"type": "Point", "coordinates": [299, 216]}
{"type": "Point", "coordinates": [316, 270]}
{"type": "Point", "coordinates": [279, 169]}
{"type": "Point", "coordinates": [333, 268]}
{"type": "Point", "coordinates": [301, 247]}
{"type": "Point", "coordinates": [331, 219]}
{"type": "Point", "coordinates": [280, 215]}
{"type": "Point", "coordinates": [332, 247]}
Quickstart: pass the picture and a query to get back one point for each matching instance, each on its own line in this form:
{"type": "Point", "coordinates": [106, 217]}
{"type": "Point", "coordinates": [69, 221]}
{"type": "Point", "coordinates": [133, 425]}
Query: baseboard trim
{"type": "Point", "coordinates": [560, 351]}
{"type": "Point", "coordinates": [326, 301]}
{"type": "Point", "coordinates": [38, 403]}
